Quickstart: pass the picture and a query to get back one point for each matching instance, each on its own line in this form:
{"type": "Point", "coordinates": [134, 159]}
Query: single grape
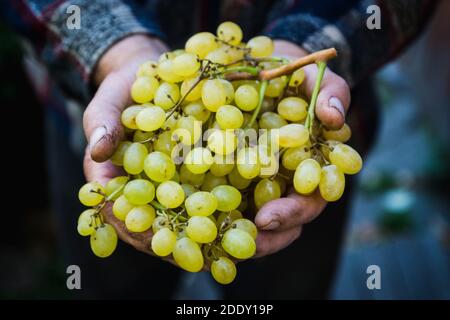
{"type": "Point", "coordinates": [342, 135]}
{"type": "Point", "coordinates": [166, 72]}
{"type": "Point", "coordinates": [201, 229]}
{"type": "Point", "coordinates": [214, 94]}
{"type": "Point", "coordinates": [332, 183]}
{"type": "Point", "coordinates": [238, 243]}
{"type": "Point", "coordinates": [293, 109]}
{"type": "Point", "coordinates": [187, 255]}
{"type": "Point", "coordinates": [223, 270]}
{"type": "Point", "coordinates": [147, 69]}
{"type": "Point", "coordinates": [121, 207]}
{"type": "Point", "coordinates": [211, 181]}
{"type": "Point", "coordinates": [201, 44]}
{"type": "Point", "coordinates": [186, 64]}
{"type": "Point", "coordinates": [275, 87]}
{"type": "Point", "coordinates": [247, 162]}
{"type": "Point", "coordinates": [164, 143]}
{"type": "Point", "coordinates": [307, 176]}
{"type": "Point", "coordinates": [246, 97]}
{"type": "Point", "coordinates": [292, 157]}
{"type": "Point", "coordinates": [194, 87]}
{"type": "Point", "coordinates": [237, 181]}
{"type": "Point", "coordinates": [140, 218]}
{"type": "Point", "coordinates": [104, 241]}
{"type": "Point", "coordinates": [170, 194]}
{"type": "Point", "coordinates": [163, 242]}
{"type": "Point", "coordinates": [91, 194]}
{"type": "Point", "coordinates": [228, 197]}
{"type": "Point", "coordinates": [86, 222]}
{"type": "Point", "coordinates": [117, 157]}
{"type": "Point", "coordinates": [114, 185]}
{"type": "Point", "coordinates": [128, 116]}
{"type": "Point", "coordinates": [266, 190]}
{"type": "Point", "coordinates": [159, 166]}
{"type": "Point", "coordinates": [229, 91]}
{"type": "Point", "coordinates": [297, 77]}
{"type": "Point", "coordinates": [229, 117]}
{"type": "Point", "coordinates": [229, 32]}
{"type": "Point", "coordinates": [199, 160]}
{"type": "Point", "coordinates": [167, 95]}
{"type": "Point", "coordinates": [346, 159]}
{"type": "Point", "coordinates": [218, 56]}
{"type": "Point", "coordinates": [260, 47]}
{"type": "Point", "coordinates": [139, 191]}
{"type": "Point", "coordinates": [171, 120]}
{"type": "Point", "coordinates": [197, 110]}
{"type": "Point", "coordinates": [222, 141]}
{"type": "Point", "coordinates": [143, 89]}
{"type": "Point", "coordinates": [271, 120]}
{"type": "Point", "coordinates": [186, 176]}
{"type": "Point", "coordinates": [201, 203]}
{"type": "Point", "coordinates": [133, 159]}
{"type": "Point", "coordinates": [150, 118]}
{"type": "Point", "coordinates": [159, 223]}
{"type": "Point", "coordinates": [246, 225]}
{"type": "Point", "coordinates": [293, 135]}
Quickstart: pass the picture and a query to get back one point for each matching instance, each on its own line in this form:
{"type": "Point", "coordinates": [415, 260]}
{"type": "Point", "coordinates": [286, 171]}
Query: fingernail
{"type": "Point", "coordinates": [96, 136]}
{"type": "Point", "coordinates": [274, 224]}
{"type": "Point", "coordinates": [337, 104]}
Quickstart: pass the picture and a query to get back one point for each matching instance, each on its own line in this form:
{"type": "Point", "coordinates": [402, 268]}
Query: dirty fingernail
{"type": "Point", "coordinates": [96, 136]}
{"type": "Point", "coordinates": [337, 104]}
{"type": "Point", "coordinates": [272, 225]}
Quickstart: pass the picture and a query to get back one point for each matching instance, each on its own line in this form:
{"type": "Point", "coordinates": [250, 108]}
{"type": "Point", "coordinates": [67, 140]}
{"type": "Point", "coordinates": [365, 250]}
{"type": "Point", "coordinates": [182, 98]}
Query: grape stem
{"type": "Point", "coordinates": [262, 91]}
{"type": "Point", "coordinates": [312, 105]}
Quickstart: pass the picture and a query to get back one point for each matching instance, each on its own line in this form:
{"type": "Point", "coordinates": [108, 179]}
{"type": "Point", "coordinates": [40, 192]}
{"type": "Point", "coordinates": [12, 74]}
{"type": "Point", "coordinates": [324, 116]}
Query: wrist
{"type": "Point", "coordinates": [134, 49]}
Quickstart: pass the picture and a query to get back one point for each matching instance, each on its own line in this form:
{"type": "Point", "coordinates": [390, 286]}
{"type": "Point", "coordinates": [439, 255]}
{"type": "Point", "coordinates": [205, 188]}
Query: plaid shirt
{"type": "Point", "coordinates": [70, 55]}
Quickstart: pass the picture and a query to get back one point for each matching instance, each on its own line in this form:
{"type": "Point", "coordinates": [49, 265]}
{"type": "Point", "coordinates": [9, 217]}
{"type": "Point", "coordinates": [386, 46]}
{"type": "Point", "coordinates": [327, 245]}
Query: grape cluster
{"type": "Point", "coordinates": [207, 140]}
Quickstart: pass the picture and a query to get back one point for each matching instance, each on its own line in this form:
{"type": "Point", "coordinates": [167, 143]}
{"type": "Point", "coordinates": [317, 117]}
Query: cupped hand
{"type": "Point", "coordinates": [280, 221]}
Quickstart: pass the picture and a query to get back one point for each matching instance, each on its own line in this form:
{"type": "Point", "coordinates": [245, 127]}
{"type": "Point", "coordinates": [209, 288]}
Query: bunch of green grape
{"type": "Point", "coordinates": [203, 147]}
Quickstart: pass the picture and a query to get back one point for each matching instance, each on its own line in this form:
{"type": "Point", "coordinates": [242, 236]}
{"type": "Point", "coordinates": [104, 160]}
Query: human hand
{"type": "Point", "coordinates": [280, 221]}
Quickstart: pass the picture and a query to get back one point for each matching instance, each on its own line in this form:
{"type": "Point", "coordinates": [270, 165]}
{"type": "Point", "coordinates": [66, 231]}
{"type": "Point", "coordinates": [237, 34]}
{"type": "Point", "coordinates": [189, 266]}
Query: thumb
{"type": "Point", "coordinates": [101, 120]}
{"type": "Point", "coordinates": [334, 96]}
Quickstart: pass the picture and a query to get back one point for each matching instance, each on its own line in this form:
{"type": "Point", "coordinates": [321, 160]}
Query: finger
{"type": "Point", "coordinates": [286, 213]}
{"type": "Point", "coordinates": [269, 242]}
{"type": "Point", "coordinates": [333, 100]}
{"type": "Point", "coordinates": [101, 119]}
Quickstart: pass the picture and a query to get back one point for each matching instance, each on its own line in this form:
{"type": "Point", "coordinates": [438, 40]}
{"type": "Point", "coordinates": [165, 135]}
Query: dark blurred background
{"type": "Point", "coordinates": [400, 217]}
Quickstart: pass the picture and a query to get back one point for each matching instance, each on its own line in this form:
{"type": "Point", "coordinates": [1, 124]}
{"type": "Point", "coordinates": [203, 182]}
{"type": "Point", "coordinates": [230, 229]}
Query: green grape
{"type": "Point", "coordinates": [307, 176]}
{"type": "Point", "coordinates": [327, 147]}
{"type": "Point", "coordinates": [186, 176]}
{"type": "Point", "coordinates": [228, 217]}
{"type": "Point", "coordinates": [150, 119]}
{"type": "Point", "coordinates": [163, 242]}
{"type": "Point", "coordinates": [159, 223]}
{"type": "Point", "coordinates": [229, 91]}
{"type": "Point", "coordinates": [121, 207]}
{"type": "Point", "coordinates": [260, 47]}
{"type": "Point", "coordinates": [187, 255]}
{"type": "Point", "coordinates": [164, 143]}
{"type": "Point", "coordinates": [128, 116]}
{"type": "Point", "coordinates": [170, 194]}
{"type": "Point", "coordinates": [197, 110]}
{"type": "Point", "coordinates": [176, 177]}
{"type": "Point", "coordinates": [271, 120]}
{"type": "Point", "coordinates": [235, 53]}
{"type": "Point", "coordinates": [186, 64]}
{"type": "Point", "coordinates": [201, 44]}
{"type": "Point", "coordinates": [222, 165]}
{"type": "Point", "coordinates": [194, 87]}
{"type": "Point", "coordinates": [282, 183]}
{"type": "Point", "coordinates": [117, 157]}
{"type": "Point", "coordinates": [247, 162]}
{"type": "Point", "coordinates": [167, 95]}
{"type": "Point", "coordinates": [245, 225]}
{"type": "Point", "coordinates": [171, 120]}
{"type": "Point", "coordinates": [104, 241]}
{"type": "Point", "coordinates": [218, 56]}
{"type": "Point", "coordinates": [211, 181]}
{"type": "Point", "coordinates": [214, 94]}
{"type": "Point", "coordinates": [139, 191]}
{"type": "Point", "coordinates": [159, 166]}
{"type": "Point", "coordinates": [229, 32]}
{"type": "Point", "coordinates": [244, 204]}
{"type": "Point", "coordinates": [228, 197]}
{"type": "Point", "coordinates": [222, 141]}
{"type": "Point", "coordinates": [133, 159]}
{"type": "Point", "coordinates": [246, 97]}
{"type": "Point", "coordinates": [143, 89]}
{"type": "Point", "coordinates": [114, 185]}
{"type": "Point", "coordinates": [229, 117]}
{"type": "Point", "coordinates": [297, 77]}
{"type": "Point", "coordinates": [342, 135]}
{"type": "Point", "coordinates": [199, 160]}
{"type": "Point", "coordinates": [188, 189]}
{"type": "Point", "coordinates": [223, 270]}
{"type": "Point", "coordinates": [237, 181]}
{"type": "Point", "coordinates": [147, 69]}
{"type": "Point", "coordinates": [86, 222]}
{"type": "Point", "coordinates": [268, 105]}
{"type": "Point", "coordinates": [201, 229]}
{"type": "Point", "coordinates": [275, 87]}
{"type": "Point", "coordinates": [293, 109]}
{"type": "Point", "coordinates": [266, 190]}
{"type": "Point", "coordinates": [201, 203]}
{"type": "Point", "coordinates": [140, 218]}
{"type": "Point", "coordinates": [141, 136]}
{"type": "Point", "coordinates": [293, 135]}
{"type": "Point", "coordinates": [238, 244]}
{"type": "Point", "coordinates": [292, 157]}
{"type": "Point", "coordinates": [91, 194]}
{"type": "Point", "coordinates": [188, 130]}
{"type": "Point", "coordinates": [332, 183]}
{"type": "Point", "coordinates": [166, 56]}
{"type": "Point", "coordinates": [166, 72]}
{"type": "Point", "coordinates": [346, 159]}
